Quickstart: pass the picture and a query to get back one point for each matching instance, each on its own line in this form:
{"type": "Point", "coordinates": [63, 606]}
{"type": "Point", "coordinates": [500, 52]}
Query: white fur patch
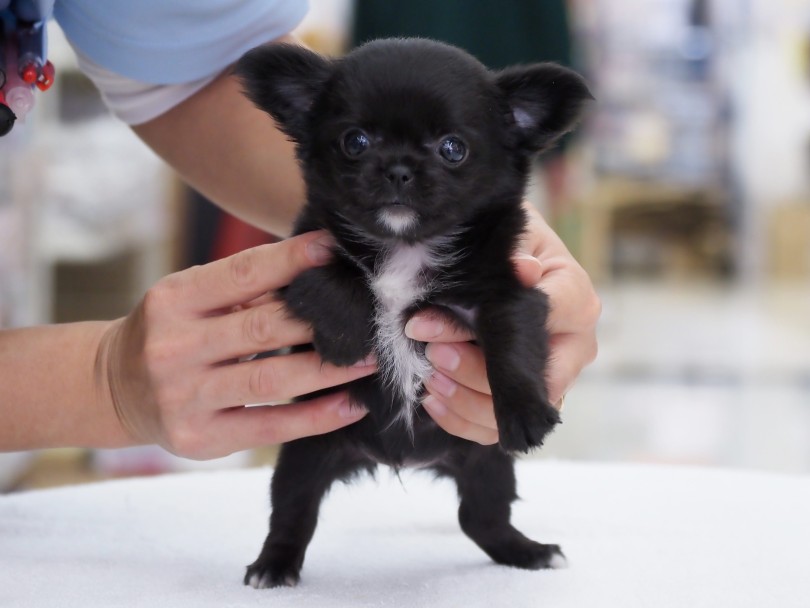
{"type": "Point", "coordinates": [402, 279]}
{"type": "Point", "coordinates": [523, 119]}
{"type": "Point", "coordinates": [397, 219]}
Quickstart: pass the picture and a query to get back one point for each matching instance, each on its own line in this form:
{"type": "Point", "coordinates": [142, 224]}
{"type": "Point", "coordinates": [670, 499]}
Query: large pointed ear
{"type": "Point", "coordinates": [546, 101]}
{"type": "Point", "coordinates": [284, 80]}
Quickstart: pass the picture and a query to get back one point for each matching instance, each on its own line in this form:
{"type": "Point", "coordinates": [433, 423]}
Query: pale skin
{"type": "Point", "coordinates": [170, 372]}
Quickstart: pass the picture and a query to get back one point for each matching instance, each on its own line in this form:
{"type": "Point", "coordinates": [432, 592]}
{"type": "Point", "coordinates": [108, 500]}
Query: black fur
{"type": "Point", "coordinates": [407, 96]}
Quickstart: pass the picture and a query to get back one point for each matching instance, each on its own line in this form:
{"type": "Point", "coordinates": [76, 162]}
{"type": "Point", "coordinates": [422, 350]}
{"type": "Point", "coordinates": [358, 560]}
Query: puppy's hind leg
{"type": "Point", "coordinates": [306, 469]}
{"type": "Point", "coordinates": [487, 487]}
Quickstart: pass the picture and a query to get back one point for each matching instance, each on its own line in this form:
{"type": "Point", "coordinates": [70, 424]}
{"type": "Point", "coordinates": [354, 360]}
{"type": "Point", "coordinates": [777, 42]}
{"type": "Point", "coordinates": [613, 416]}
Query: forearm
{"type": "Point", "coordinates": [232, 153]}
{"type": "Point", "coordinates": [53, 389]}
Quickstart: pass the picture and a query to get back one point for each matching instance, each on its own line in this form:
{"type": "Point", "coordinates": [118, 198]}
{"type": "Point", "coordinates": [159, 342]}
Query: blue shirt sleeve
{"type": "Point", "coordinates": [173, 41]}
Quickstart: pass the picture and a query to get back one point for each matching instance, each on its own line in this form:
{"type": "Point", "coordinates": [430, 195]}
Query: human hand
{"type": "Point", "coordinates": [173, 369]}
{"type": "Point", "coordinates": [459, 397]}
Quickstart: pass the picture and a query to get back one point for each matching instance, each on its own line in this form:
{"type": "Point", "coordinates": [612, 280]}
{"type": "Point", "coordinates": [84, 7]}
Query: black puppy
{"type": "Point", "coordinates": [415, 158]}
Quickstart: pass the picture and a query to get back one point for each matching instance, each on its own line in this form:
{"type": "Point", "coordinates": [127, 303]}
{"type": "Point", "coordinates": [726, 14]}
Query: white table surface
{"type": "Point", "coordinates": [634, 535]}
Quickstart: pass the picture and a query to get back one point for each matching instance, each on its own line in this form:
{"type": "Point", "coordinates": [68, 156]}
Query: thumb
{"type": "Point", "coordinates": [528, 269]}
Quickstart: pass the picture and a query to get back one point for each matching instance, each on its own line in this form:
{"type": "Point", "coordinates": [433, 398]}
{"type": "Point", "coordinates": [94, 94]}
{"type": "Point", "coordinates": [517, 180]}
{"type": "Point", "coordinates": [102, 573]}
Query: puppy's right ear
{"type": "Point", "coordinates": [546, 101]}
{"type": "Point", "coordinates": [284, 80]}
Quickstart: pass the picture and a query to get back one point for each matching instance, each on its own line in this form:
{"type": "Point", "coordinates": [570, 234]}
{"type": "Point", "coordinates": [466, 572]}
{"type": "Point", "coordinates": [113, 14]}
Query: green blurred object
{"type": "Point", "coordinates": [498, 32]}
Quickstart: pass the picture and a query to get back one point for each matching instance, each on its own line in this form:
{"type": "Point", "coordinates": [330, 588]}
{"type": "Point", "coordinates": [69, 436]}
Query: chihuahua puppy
{"type": "Point", "coordinates": [415, 158]}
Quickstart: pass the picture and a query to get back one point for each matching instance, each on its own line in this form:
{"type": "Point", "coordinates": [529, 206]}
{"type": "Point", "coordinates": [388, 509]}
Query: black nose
{"type": "Point", "coordinates": [398, 174]}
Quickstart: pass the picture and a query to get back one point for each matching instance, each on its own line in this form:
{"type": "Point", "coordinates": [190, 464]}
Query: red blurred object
{"type": "Point", "coordinates": [234, 235]}
{"type": "Point", "coordinates": [47, 76]}
{"type": "Point", "coordinates": [29, 73]}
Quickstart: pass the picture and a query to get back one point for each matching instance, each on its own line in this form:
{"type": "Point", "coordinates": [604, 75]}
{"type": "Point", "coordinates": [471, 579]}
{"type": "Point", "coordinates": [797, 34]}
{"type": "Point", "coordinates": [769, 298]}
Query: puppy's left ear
{"type": "Point", "coordinates": [284, 81]}
{"type": "Point", "coordinates": [546, 101]}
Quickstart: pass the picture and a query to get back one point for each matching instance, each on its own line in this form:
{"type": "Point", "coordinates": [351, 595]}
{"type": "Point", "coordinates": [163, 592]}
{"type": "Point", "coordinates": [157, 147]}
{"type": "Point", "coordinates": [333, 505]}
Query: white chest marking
{"type": "Point", "coordinates": [399, 283]}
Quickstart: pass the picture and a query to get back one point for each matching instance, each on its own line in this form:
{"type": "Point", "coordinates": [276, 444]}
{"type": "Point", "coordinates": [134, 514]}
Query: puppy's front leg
{"type": "Point", "coordinates": [337, 303]}
{"type": "Point", "coordinates": [510, 328]}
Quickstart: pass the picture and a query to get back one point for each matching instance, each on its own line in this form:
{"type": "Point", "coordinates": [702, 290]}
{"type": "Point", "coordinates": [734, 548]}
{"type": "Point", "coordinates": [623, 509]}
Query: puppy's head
{"type": "Point", "coordinates": [407, 138]}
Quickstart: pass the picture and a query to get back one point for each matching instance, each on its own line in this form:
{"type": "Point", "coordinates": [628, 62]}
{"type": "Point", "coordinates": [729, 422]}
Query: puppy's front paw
{"type": "Point", "coordinates": [342, 348]}
{"type": "Point", "coordinates": [269, 575]}
{"type": "Point", "coordinates": [531, 555]}
{"type": "Point", "coordinates": [339, 312]}
{"type": "Point", "coordinates": [523, 422]}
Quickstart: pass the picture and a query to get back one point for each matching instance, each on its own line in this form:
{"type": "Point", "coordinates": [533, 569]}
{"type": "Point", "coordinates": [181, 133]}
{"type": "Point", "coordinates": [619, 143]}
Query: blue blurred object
{"type": "Point", "coordinates": [29, 10]}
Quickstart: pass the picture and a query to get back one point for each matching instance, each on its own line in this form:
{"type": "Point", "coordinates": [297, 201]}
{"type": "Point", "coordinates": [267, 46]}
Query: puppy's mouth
{"type": "Point", "coordinates": [394, 203]}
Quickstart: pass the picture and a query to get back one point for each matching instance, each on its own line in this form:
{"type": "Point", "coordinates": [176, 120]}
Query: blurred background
{"type": "Point", "coordinates": [685, 194]}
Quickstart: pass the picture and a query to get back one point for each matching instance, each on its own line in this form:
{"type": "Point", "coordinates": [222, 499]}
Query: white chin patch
{"type": "Point", "coordinates": [397, 219]}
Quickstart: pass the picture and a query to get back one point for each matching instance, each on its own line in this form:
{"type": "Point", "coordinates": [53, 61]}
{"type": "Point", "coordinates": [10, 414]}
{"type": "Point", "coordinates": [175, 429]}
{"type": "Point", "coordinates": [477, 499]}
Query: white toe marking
{"type": "Point", "coordinates": [558, 562]}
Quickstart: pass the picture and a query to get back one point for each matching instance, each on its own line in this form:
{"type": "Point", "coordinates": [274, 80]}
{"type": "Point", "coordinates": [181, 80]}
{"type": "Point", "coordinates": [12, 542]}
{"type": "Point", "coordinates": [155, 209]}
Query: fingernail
{"type": "Point", "coordinates": [367, 362]}
{"type": "Point", "coordinates": [423, 328]}
{"type": "Point", "coordinates": [528, 257]}
{"type": "Point", "coordinates": [320, 250]}
{"type": "Point", "coordinates": [442, 384]}
{"type": "Point", "coordinates": [443, 356]}
{"type": "Point", "coordinates": [434, 406]}
{"type": "Point", "coordinates": [349, 410]}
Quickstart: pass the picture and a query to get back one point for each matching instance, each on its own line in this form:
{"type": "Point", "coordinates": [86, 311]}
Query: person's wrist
{"type": "Point", "coordinates": [111, 429]}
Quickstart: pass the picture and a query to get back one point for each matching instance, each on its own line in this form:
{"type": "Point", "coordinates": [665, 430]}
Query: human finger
{"type": "Point", "coordinates": [454, 424]}
{"type": "Point", "coordinates": [432, 326]}
{"type": "Point", "coordinates": [570, 353]}
{"type": "Point", "coordinates": [276, 378]}
{"type": "Point", "coordinates": [248, 274]}
{"type": "Point", "coordinates": [539, 239]}
{"type": "Point", "coordinates": [573, 302]}
{"type": "Point", "coordinates": [574, 306]}
{"type": "Point", "coordinates": [465, 402]}
{"type": "Point", "coordinates": [462, 362]}
{"type": "Point", "coordinates": [528, 269]}
{"type": "Point", "coordinates": [257, 329]}
{"type": "Point", "coordinates": [265, 298]}
{"type": "Point", "coordinates": [250, 427]}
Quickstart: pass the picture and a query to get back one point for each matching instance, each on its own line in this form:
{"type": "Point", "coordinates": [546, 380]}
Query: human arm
{"type": "Point", "coordinates": [50, 394]}
{"type": "Point", "coordinates": [168, 373]}
{"type": "Point", "coordinates": [228, 150]}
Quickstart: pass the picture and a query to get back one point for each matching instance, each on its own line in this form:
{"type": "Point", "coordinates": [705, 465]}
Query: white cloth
{"type": "Point", "coordinates": [645, 536]}
{"type": "Point", "coordinates": [135, 102]}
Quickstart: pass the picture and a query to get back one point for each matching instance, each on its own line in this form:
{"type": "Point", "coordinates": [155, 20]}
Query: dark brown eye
{"type": "Point", "coordinates": [354, 143]}
{"type": "Point", "coordinates": [453, 150]}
